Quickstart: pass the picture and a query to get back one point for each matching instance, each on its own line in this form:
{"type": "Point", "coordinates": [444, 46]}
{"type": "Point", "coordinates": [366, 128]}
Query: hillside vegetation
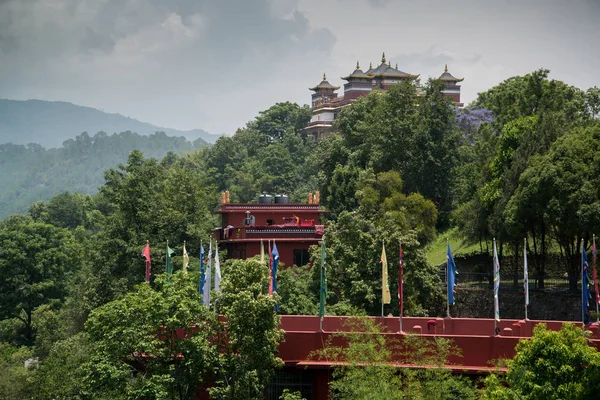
{"type": "Point", "coordinates": [522, 161]}
{"type": "Point", "coordinates": [31, 172]}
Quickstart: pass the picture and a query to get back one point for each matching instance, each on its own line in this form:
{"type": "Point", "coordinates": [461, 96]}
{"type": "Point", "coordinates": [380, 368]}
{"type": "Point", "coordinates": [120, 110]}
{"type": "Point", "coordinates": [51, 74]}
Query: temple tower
{"type": "Point", "coordinates": [451, 90]}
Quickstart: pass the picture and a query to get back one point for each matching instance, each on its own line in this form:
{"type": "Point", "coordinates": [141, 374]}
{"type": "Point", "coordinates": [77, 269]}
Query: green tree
{"type": "Point", "coordinates": [153, 343]}
{"type": "Point", "coordinates": [37, 261]}
{"type": "Point", "coordinates": [248, 357]}
{"type": "Point", "coordinates": [354, 268]}
{"type": "Point", "coordinates": [550, 365]}
{"type": "Point", "coordinates": [367, 356]}
{"type": "Point", "coordinates": [561, 191]}
{"type": "Point", "coordinates": [15, 374]}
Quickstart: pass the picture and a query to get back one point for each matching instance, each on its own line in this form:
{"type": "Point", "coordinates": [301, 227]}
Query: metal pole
{"type": "Point", "coordinates": [401, 283]}
{"type": "Point", "coordinates": [526, 272]}
{"type": "Point", "coordinates": [582, 291]}
{"type": "Point", "coordinates": [447, 282]}
{"type": "Point", "coordinates": [321, 324]}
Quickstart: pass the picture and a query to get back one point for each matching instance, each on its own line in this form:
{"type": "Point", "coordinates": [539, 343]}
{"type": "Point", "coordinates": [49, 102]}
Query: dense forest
{"type": "Point", "coordinates": [523, 160]}
{"type": "Point", "coordinates": [31, 172]}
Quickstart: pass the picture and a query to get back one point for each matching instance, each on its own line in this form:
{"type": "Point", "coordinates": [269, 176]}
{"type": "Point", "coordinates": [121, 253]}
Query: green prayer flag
{"type": "Point", "coordinates": [323, 297]}
{"type": "Point", "coordinates": [169, 266]}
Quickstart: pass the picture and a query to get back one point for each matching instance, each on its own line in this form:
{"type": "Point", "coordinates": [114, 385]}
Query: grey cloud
{"type": "Point", "coordinates": [379, 3]}
{"type": "Point", "coordinates": [178, 63]}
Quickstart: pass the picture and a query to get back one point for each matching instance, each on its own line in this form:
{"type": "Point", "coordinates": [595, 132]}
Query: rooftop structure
{"type": "Point", "coordinates": [293, 227]}
{"type": "Point", "coordinates": [326, 104]}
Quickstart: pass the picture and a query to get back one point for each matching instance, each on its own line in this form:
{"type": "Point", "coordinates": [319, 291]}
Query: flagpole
{"type": "Point", "coordinates": [582, 290]}
{"type": "Point", "coordinates": [596, 280]}
{"type": "Point", "coordinates": [400, 282]}
{"type": "Point", "coordinates": [525, 275]}
{"type": "Point", "coordinates": [447, 282]}
{"type": "Point", "coordinates": [382, 283]}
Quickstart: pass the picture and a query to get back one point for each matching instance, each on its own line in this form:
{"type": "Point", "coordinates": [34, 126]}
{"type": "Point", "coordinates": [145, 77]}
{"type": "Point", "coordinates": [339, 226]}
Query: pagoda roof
{"type": "Point", "coordinates": [357, 74]}
{"type": "Point", "coordinates": [386, 70]}
{"type": "Point", "coordinates": [447, 76]}
{"type": "Point", "coordinates": [324, 85]}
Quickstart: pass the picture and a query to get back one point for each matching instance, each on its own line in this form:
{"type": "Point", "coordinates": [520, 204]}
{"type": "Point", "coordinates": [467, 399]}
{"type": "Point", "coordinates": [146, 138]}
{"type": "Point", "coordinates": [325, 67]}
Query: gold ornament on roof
{"type": "Point", "coordinates": [446, 68]}
{"type": "Point", "coordinates": [357, 65]}
{"type": "Point", "coordinates": [324, 77]}
{"type": "Point", "coordinates": [396, 65]}
{"type": "Point", "coordinates": [370, 65]}
{"type": "Point", "coordinates": [383, 58]}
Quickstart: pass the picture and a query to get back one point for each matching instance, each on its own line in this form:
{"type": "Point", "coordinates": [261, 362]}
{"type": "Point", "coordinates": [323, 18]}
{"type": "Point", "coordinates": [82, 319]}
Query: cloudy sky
{"type": "Point", "coordinates": [213, 64]}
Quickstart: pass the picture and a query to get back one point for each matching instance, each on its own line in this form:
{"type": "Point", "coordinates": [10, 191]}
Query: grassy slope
{"type": "Point", "coordinates": [436, 251]}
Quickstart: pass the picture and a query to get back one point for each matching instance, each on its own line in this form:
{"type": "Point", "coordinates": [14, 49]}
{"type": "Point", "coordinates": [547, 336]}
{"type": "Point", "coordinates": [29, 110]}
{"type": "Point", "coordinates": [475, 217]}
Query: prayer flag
{"type": "Point", "coordinates": [275, 255]}
{"type": "Point", "coordinates": [270, 269]}
{"type": "Point", "coordinates": [585, 287]}
{"type": "Point", "coordinates": [217, 270]}
{"type": "Point", "coordinates": [385, 286]}
{"type": "Point", "coordinates": [186, 259]}
{"type": "Point", "coordinates": [202, 276]}
{"type": "Point", "coordinates": [496, 284]}
{"type": "Point", "coordinates": [207, 282]}
{"type": "Point", "coordinates": [168, 265]}
{"type": "Point", "coordinates": [146, 254]}
{"type": "Point", "coordinates": [451, 272]}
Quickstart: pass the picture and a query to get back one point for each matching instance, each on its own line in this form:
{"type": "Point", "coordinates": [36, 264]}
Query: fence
{"type": "Point", "coordinates": [486, 281]}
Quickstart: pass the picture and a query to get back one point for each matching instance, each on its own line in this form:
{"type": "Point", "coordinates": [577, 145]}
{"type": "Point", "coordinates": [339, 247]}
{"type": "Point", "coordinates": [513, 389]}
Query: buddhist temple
{"type": "Point", "coordinates": [273, 220]}
{"type": "Point", "coordinates": [326, 104]}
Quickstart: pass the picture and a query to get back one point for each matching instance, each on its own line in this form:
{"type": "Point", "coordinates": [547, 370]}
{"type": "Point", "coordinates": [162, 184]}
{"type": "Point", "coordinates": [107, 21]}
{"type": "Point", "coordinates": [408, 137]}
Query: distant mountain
{"type": "Point", "coordinates": [50, 123]}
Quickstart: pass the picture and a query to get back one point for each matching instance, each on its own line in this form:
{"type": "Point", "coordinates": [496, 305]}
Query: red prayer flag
{"type": "Point", "coordinates": [146, 254]}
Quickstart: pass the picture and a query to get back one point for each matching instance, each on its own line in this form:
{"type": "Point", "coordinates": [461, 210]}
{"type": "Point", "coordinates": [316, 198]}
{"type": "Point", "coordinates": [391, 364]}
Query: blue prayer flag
{"type": "Point", "coordinates": [451, 278]}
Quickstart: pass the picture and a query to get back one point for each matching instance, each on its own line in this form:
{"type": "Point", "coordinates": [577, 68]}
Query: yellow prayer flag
{"type": "Point", "coordinates": [385, 285]}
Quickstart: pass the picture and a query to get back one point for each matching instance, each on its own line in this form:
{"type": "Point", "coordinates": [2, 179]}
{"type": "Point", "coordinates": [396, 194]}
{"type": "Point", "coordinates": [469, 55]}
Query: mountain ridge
{"type": "Point", "coordinates": [50, 123]}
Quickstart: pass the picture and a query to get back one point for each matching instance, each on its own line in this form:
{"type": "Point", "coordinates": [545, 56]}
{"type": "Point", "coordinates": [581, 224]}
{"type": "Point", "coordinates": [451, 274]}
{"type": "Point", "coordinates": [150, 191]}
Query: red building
{"type": "Point", "coordinates": [475, 338]}
{"type": "Point", "coordinates": [293, 227]}
{"type": "Point", "coordinates": [326, 104]}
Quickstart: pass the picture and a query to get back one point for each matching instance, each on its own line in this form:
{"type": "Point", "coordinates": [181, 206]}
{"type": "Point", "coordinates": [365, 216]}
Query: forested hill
{"type": "Point", "coordinates": [31, 172]}
{"type": "Point", "coordinates": [49, 123]}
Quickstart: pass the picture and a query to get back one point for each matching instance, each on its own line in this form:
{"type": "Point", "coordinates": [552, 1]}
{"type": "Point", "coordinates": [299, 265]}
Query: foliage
{"type": "Point", "coordinates": [154, 342]}
{"type": "Point", "coordinates": [247, 358]}
{"type": "Point", "coordinates": [161, 341]}
{"type": "Point", "coordinates": [354, 268]}
{"type": "Point", "coordinates": [366, 355]}
{"type": "Point", "coordinates": [288, 395]}
{"type": "Point", "coordinates": [297, 292]}
{"type": "Point", "coordinates": [402, 130]}
{"type": "Point", "coordinates": [17, 368]}
{"type": "Point", "coordinates": [32, 173]}
{"type": "Point", "coordinates": [550, 365]}
{"type": "Point", "coordinates": [37, 261]}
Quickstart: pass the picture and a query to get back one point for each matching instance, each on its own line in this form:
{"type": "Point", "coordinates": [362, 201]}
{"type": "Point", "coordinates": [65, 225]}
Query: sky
{"type": "Point", "coordinates": [214, 64]}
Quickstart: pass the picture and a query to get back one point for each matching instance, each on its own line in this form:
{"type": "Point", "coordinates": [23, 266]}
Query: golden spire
{"type": "Point", "coordinates": [370, 65]}
{"type": "Point", "coordinates": [390, 63]}
{"type": "Point", "coordinates": [324, 77]}
{"type": "Point", "coordinates": [396, 65]}
{"type": "Point", "coordinates": [446, 69]}
{"type": "Point", "coordinates": [357, 65]}
{"type": "Point", "coordinates": [383, 58]}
